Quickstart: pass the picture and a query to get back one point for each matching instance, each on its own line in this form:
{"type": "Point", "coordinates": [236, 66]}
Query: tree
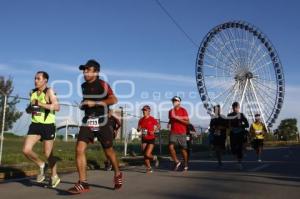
{"type": "Point", "coordinates": [287, 130]}
{"type": "Point", "coordinates": [12, 115]}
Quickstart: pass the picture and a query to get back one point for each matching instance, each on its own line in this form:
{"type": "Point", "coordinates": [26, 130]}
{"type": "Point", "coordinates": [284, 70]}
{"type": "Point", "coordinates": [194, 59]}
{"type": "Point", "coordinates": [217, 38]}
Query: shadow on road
{"type": "Point", "coordinates": [11, 173]}
{"type": "Point", "coordinates": [277, 169]}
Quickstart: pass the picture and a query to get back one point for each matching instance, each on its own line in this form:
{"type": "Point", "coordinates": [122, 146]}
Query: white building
{"type": "Point", "coordinates": [134, 134]}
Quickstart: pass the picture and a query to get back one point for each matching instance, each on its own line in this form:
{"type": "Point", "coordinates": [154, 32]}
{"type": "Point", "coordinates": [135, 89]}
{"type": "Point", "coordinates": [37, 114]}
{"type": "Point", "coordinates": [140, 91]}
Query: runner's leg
{"type": "Point", "coordinates": [48, 151]}
{"type": "Point", "coordinates": [218, 154]}
{"type": "Point", "coordinates": [185, 156]}
{"type": "Point", "coordinates": [110, 153]}
{"type": "Point", "coordinates": [81, 160]}
{"type": "Point", "coordinates": [29, 143]}
{"type": "Point", "coordinates": [148, 155]}
{"type": "Point", "coordinates": [173, 153]}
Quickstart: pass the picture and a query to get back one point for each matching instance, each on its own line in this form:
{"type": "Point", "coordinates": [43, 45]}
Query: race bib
{"type": "Point", "coordinates": [258, 132]}
{"type": "Point", "coordinates": [93, 124]}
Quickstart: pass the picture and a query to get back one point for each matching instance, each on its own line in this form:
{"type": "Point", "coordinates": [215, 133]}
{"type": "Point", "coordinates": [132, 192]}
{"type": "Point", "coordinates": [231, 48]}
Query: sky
{"type": "Point", "coordinates": [143, 55]}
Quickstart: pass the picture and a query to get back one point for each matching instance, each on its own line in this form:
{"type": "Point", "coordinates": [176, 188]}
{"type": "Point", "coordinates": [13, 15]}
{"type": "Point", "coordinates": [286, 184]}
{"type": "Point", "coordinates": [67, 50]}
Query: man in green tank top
{"type": "Point", "coordinates": [42, 107]}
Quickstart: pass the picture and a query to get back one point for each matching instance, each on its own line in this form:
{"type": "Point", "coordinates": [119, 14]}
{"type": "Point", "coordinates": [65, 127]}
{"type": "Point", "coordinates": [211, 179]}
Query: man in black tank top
{"type": "Point", "coordinates": [237, 125]}
{"type": "Point", "coordinates": [97, 97]}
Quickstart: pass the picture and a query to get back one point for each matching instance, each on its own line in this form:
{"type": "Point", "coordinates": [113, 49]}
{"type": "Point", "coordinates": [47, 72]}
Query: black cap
{"type": "Point", "coordinates": [235, 104]}
{"type": "Point", "coordinates": [176, 98]}
{"type": "Point", "coordinates": [90, 63]}
{"type": "Point", "coordinates": [146, 107]}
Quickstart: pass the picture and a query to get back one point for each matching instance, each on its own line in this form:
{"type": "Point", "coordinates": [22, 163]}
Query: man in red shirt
{"type": "Point", "coordinates": [148, 125]}
{"type": "Point", "coordinates": [178, 121]}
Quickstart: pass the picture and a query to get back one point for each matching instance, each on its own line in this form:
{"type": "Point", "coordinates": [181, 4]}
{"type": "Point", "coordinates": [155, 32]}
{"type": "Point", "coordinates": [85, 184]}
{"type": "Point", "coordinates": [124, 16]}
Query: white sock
{"type": "Point", "coordinates": [42, 166]}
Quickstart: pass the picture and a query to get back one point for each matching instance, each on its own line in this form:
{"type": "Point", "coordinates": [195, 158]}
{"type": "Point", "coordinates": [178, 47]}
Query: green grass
{"type": "Point", "coordinates": [281, 143]}
{"type": "Point", "coordinates": [63, 151]}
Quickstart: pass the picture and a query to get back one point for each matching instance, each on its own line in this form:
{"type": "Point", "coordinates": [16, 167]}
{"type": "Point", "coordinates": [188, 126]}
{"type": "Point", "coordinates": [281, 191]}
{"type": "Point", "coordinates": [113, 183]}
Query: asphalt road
{"type": "Point", "coordinates": [278, 176]}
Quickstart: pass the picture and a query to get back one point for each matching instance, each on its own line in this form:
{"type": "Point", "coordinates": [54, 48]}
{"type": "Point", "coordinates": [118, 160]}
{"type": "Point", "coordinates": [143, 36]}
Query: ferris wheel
{"type": "Point", "coordinates": [237, 62]}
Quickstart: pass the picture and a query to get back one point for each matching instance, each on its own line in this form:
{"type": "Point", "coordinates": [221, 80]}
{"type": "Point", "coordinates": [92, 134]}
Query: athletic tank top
{"type": "Point", "coordinates": [258, 129]}
{"type": "Point", "coordinates": [41, 115]}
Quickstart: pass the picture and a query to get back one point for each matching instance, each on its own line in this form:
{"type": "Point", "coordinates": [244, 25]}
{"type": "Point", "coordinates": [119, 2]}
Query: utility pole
{"type": "Point", "coordinates": [125, 131]}
{"type": "Point", "coordinates": [160, 137]}
{"type": "Point", "coordinates": [122, 122]}
{"type": "Point", "coordinates": [3, 124]}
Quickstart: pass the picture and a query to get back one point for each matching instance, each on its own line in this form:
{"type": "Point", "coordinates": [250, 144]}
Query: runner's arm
{"type": "Point", "coordinates": [118, 123]}
{"type": "Point", "coordinates": [252, 133]}
{"type": "Point", "coordinates": [185, 120]}
{"type": "Point", "coordinates": [245, 121]}
{"type": "Point", "coordinates": [29, 108]}
{"type": "Point", "coordinates": [169, 126]}
{"type": "Point", "coordinates": [157, 127]}
{"type": "Point", "coordinates": [265, 130]}
{"type": "Point", "coordinates": [139, 128]}
{"type": "Point", "coordinates": [110, 100]}
{"type": "Point", "coordinates": [53, 105]}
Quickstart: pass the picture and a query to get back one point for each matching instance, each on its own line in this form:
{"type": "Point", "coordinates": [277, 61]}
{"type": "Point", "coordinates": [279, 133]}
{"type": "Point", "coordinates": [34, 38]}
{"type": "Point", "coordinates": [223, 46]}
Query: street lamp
{"type": "Point", "coordinates": [3, 124]}
{"type": "Point", "coordinates": [122, 122]}
{"type": "Point", "coordinates": [124, 128]}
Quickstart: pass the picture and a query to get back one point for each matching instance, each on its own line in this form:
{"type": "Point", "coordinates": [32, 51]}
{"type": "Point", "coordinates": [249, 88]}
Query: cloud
{"type": "Point", "coordinates": [11, 69]}
{"type": "Point", "coordinates": [121, 73]}
{"type": "Point", "coordinates": [4, 67]}
{"type": "Point", "coordinates": [57, 66]}
{"type": "Point", "coordinates": [151, 75]}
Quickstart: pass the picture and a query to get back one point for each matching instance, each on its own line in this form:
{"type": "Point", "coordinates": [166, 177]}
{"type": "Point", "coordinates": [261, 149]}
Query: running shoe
{"type": "Point", "coordinates": [79, 187]}
{"type": "Point", "coordinates": [55, 180]}
{"type": "Point", "coordinates": [149, 170]}
{"type": "Point", "coordinates": [155, 158]}
{"type": "Point", "coordinates": [118, 181]}
{"type": "Point", "coordinates": [186, 168]}
{"type": "Point", "coordinates": [177, 165]}
{"type": "Point", "coordinates": [41, 176]}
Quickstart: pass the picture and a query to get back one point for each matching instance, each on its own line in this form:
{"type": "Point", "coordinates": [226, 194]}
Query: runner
{"type": "Point", "coordinates": [97, 97]}
{"type": "Point", "coordinates": [258, 131]}
{"type": "Point", "coordinates": [218, 125]}
{"type": "Point", "coordinates": [178, 121]}
{"type": "Point", "coordinates": [116, 124]}
{"type": "Point", "coordinates": [42, 107]}
{"type": "Point", "coordinates": [148, 125]}
{"type": "Point", "coordinates": [237, 124]}
{"type": "Point", "coordinates": [189, 138]}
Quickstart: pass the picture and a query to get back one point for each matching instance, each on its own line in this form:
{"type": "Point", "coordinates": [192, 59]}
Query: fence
{"type": "Point", "coordinates": [68, 121]}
